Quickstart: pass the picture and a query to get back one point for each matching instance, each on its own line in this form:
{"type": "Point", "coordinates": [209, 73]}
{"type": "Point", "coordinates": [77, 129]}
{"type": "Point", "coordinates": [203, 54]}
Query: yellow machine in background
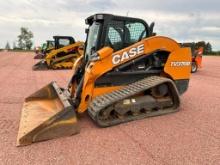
{"type": "Point", "coordinates": [126, 74]}
{"type": "Point", "coordinates": [62, 56]}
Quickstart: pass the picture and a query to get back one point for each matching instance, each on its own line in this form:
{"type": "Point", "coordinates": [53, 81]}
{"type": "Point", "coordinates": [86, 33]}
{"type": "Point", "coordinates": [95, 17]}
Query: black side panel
{"type": "Point", "coordinates": [134, 70]}
{"type": "Point", "coordinates": [122, 78]}
{"type": "Point", "coordinates": [182, 85]}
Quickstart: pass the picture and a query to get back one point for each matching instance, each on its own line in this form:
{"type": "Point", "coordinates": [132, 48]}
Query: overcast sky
{"type": "Point", "coordinates": [182, 20]}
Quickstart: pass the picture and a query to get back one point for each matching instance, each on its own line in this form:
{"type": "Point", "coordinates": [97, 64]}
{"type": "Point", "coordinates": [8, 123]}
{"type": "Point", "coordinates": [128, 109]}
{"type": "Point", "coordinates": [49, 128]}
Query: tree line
{"type": "Point", "coordinates": [24, 41]}
{"type": "Point", "coordinates": [207, 48]}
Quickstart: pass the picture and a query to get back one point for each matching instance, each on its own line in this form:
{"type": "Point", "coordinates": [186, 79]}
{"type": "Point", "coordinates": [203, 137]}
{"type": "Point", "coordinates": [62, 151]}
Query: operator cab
{"type": "Point", "coordinates": [116, 32]}
{"type": "Point", "coordinates": [50, 43]}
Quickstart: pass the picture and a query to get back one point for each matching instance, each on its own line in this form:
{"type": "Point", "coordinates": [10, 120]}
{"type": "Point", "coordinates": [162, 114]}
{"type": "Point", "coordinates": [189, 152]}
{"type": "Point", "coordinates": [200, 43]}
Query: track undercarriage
{"type": "Point", "coordinates": [148, 97]}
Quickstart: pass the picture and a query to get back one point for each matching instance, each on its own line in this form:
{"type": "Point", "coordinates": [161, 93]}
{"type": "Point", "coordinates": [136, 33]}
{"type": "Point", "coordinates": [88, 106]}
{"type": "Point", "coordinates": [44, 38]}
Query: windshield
{"type": "Point", "coordinates": [51, 44]}
{"type": "Point", "coordinates": [92, 38]}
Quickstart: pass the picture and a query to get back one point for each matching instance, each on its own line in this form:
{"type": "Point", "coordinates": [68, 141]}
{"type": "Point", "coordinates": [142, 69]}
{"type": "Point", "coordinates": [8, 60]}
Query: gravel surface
{"type": "Point", "coordinates": [190, 136]}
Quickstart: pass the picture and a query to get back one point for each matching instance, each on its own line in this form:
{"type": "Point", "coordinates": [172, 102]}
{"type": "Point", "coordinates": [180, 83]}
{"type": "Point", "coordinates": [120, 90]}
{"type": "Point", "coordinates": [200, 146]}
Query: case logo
{"type": "Point", "coordinates": [118, 58]}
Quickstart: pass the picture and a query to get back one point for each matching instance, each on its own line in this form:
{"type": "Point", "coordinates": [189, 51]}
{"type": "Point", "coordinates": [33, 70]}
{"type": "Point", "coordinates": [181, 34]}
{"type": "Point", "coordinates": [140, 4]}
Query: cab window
{"type": "Point", "coordinates": [63, 42]}
{"type": "Point", "coordinates": [121, 34]}
{"type": "Point", "coordinates": [115, 33]}
{"type": "Point", "coordinates": [136, 32]}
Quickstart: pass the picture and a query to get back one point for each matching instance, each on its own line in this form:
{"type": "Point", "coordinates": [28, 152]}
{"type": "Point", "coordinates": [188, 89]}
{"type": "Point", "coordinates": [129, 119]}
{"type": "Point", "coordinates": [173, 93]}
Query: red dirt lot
{"type": "Point", "coordinates": [190, 136]}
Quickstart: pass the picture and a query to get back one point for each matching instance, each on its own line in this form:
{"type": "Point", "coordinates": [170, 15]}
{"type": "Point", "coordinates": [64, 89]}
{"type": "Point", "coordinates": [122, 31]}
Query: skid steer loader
{"type": "Point", "coordinates": [44, 49]}
{"type": "Point", "coordinates": [50, 45]}
{"type": "Point", "coordinates": [126, 74]}
{"type": "Point", "coordinates": [65, 52]}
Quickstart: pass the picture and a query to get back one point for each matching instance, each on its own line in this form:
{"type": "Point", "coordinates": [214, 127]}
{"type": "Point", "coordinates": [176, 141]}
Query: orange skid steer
{"type": "Point", "coordinates": [126, 73]}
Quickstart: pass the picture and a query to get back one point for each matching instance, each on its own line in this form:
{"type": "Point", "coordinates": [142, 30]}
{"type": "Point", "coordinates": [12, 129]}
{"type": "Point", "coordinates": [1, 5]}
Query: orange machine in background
{"type": "Point", "coordinates": [197, 59]}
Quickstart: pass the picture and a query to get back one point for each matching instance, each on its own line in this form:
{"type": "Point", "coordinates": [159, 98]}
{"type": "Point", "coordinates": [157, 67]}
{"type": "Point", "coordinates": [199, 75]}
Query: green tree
{"type": "Point", "coordinates": [24, 39]}
{"type": "Point", "coordinates": [208, 48]}
{"type": "Point", "coordinates": [14, 45]}
{"type": "Point", "coordinates": [200, 44]}
{"type": "Point", "coordinates": [7, 46]}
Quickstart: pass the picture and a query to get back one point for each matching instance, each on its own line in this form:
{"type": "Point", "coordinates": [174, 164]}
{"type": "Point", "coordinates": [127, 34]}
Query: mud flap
{"type": "Point", "coordinates": [47, 114]}
{"type": "Point", "coordinates": [41, 65]}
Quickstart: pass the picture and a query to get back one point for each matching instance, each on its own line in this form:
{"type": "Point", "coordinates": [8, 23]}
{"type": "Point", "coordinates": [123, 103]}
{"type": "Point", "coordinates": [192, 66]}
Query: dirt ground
{"type": "Point", "coordinates": [190, 136]}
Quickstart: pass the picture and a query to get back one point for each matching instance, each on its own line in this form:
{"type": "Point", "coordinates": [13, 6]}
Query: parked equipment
{"type": "Point", "coordinates": [65, 52]}
{"type": "Point", "coordinates": [197, 59]}
{"type": "Point", "coordinates": [197, 52]}
{"type": "Point", "coordinates": [48, 47]}
{"type": "Point", "coordinates": [126, 74]}
{"type": "Point", "coordinates": [44, 49]}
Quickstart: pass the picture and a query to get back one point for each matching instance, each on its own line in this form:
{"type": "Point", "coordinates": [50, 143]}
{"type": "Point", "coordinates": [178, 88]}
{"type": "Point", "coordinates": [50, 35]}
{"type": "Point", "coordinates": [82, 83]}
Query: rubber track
{"type": "Point", "coordinates": [106, 100]}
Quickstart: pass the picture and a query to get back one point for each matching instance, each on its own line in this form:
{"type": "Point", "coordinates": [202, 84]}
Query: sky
{"type": "Point", "coordinates": [182, 20]}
